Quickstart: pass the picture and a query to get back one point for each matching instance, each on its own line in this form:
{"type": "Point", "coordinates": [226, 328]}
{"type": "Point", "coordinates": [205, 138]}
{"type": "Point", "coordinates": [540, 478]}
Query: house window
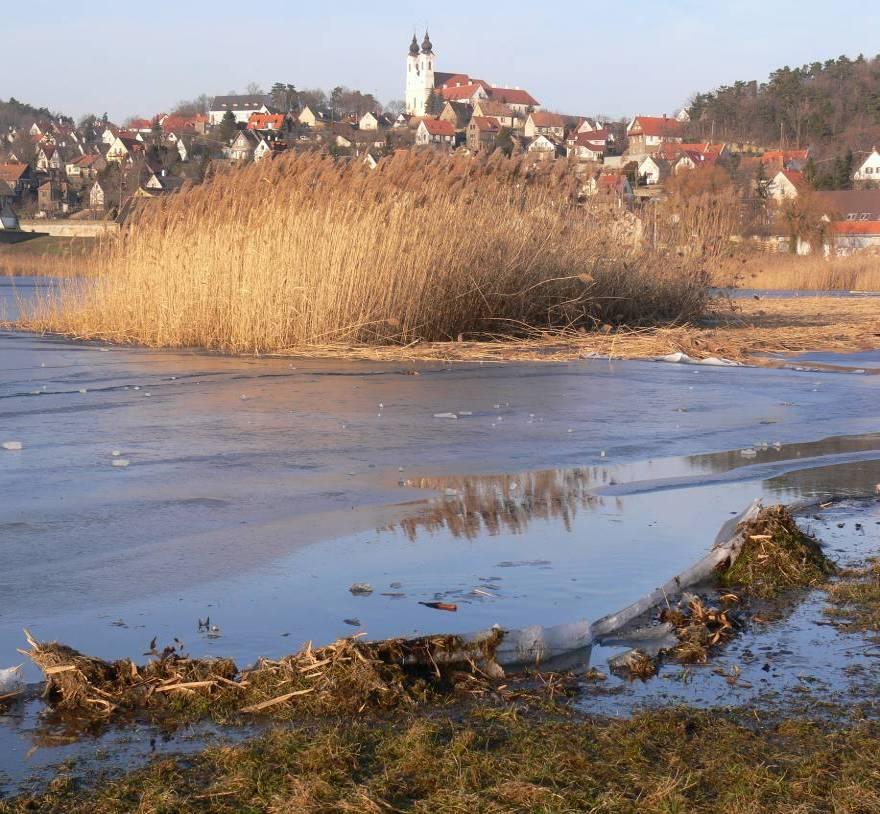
{"type": "Point", "coordinates": [869, 170]}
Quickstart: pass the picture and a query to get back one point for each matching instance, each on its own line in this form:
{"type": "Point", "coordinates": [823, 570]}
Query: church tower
{"type": "Point", "coordinates": [419, 75]}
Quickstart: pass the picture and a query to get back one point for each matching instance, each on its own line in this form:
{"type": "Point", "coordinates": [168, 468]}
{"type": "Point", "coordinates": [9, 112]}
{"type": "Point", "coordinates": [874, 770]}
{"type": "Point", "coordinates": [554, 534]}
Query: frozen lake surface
{"type": "Point", "coordinates": [258, 490]}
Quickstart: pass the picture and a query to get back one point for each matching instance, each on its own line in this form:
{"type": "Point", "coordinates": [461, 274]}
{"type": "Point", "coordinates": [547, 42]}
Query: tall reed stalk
{"type": "Point", "coordinates": [304, 250]}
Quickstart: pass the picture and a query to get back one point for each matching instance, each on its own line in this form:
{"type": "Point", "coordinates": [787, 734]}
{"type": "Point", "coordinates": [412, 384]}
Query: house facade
{"type": "Point", "coordinates": [124, 150]}
{"type": "Point", "coordinates": [243, 146]}
{"type": "Point", "coordinates": [241, 107]}
{"type": "Point", "coordinates": [786, 185]}
{"type": "Point", "coordinates": [435, 132]}
{"type": "Point", "coordinates": [541, 123]}
{"type": "Point", "coordinates": [482, 131]}
{"type": "Point", "coordinates": [505, 114]}
{"type": "Point", "coordinates": [545, 148]}
{"type": "Point", "coordinates": [19, 177]}
{"type": "Point", "coordinates": [869, 171]}
{"type": "Point", "coordinates": [647, 133]}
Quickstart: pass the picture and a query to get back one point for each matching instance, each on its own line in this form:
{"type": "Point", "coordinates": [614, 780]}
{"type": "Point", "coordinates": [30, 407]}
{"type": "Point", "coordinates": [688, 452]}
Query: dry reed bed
{"type": "Point", "coordinates": [48, 257]}
{"type": "Point", "coordinates": [789, 272]}
{"type": "Point", "coordinates": [305, 251]}
{"type": "Point", "coordinates": [741, 332]}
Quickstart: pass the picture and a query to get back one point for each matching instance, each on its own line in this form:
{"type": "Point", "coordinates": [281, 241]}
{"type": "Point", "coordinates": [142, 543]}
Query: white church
{"type": "Point", "coordinates": [422, 79]}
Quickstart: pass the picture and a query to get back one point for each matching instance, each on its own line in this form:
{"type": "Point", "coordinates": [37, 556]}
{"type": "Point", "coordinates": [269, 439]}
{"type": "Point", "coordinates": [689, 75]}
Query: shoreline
{"type": "Point", "coordinates": [743, 331]}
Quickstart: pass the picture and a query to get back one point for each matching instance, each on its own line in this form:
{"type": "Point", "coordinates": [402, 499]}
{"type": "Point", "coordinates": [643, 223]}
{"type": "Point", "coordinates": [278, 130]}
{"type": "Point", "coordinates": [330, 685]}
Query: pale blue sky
{"type": "Point", "coordinates": [640, 56]}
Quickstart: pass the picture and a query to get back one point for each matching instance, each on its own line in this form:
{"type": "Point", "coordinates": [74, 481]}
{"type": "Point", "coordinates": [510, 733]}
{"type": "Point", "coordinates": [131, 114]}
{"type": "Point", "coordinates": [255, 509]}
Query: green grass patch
{"type": "Point", "coordinates": [669, 761]}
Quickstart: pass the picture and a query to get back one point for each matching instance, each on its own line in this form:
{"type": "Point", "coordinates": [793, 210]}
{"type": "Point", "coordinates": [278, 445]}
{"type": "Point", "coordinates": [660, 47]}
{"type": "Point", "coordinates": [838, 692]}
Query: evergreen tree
{"type": "Point", "coordinates": [811, 174]}
{"type": "Point", "coordinates": [846, 171]}
{"type": "Point", "coordinates": [761, 189]}
{"type": "Point", "coordinates": [228, 126]}
{"type": "Point", "coordinates": [504, 141]}
{"type": "Point", "coordinates": [434, 104]}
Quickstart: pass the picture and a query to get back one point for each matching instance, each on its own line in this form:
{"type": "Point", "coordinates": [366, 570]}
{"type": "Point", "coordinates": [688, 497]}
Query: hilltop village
{"type": "Point", "coordinates": [53, 168]}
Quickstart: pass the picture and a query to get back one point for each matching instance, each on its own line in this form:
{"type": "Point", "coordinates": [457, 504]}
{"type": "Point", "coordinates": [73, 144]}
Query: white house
{"type": "Point", "coordinates": [850, 237]}
{"type": "Point", "coordinates": [544, 148]}
{"type": "Point", "coordinates": [243, 146]}
{"type": "Point", "coordinates": [368, 122]}
{"type": "Point", "coordinates": [870, 169]}
{"type": "Point", "coordinates": [241, 107]}
{"type": "Point", "coordinates": [47, 158]}
{"type": "Point", "coordinates": [785, 185]}
{"type": "Point", "coordinates": [434, 131]}
{"type": "Point", "coordinates": [262, 149]}
{"type": "Point", "coordinates": [308, 118]}
{"type": "Point", "coordinates": [123, 150]}
{"type": "Point", "coordinates": [653, 170]}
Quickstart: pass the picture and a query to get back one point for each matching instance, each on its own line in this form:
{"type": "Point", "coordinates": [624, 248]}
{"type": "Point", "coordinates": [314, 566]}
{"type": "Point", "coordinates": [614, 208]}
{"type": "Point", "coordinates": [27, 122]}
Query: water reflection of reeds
{"type": "Point", "coordinates": [491, 504]}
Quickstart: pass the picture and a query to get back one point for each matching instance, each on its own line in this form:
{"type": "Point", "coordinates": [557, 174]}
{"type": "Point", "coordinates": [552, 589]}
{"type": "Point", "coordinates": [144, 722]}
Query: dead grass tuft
{"type": "Point", "coordinates": [855, 598]}
{"type": "Point", "coordinates": [777, 556]}
{"type": "Point", "coordinates": [658, 762]}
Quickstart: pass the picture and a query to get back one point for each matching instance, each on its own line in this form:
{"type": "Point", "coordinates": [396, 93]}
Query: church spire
{"type": "Point", "coordinates": [427, 48]}
{"type": "Point", "coordinates": [414, 47]}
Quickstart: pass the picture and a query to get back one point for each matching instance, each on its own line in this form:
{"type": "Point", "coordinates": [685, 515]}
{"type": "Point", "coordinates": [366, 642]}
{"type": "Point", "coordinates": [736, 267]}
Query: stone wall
{"type": "Point", "coordinates": [71, 228]}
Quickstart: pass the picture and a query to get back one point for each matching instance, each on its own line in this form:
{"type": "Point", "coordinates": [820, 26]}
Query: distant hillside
{"type": "Point", "coordinates": [829, 105]}
{"type": "Point", "coordinates": [15, 113]}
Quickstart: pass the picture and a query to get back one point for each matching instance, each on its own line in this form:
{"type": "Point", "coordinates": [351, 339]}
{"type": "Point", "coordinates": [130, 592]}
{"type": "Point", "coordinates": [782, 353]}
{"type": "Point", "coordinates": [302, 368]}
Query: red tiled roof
{"type": "Point", "coordinates": [140, 124]}
{"type": "Point", "coordinates": [85, 160]}
{"type": "Point", "coordinates": [610, 180]}
{"type": "Point", "coordinates": [487, 124]}
{"type": "Point", "coordinates": [439, 127]}
{"type": "Point", "coordinates": [784, 156]}
{"type": "Point", "coordinates": [170, 123]}
{"type": "Point", "coordinates": [796, 178]}
{"type": "Point", "coordinates": [265, 121]}
{"type": "Point", "coordinates": [513, 96]}
{"type": "Point", "coordinates": [449, 80]}
{"type": "Point", "coordinates": [541, 118]}
{"type": "Point", "coordinates": [490, 108]}
{"type": "Point", "coordinates": [457, 94]}
{"type": "Point", "coordinates": [656, 126]}
{"type": "Point", "coordinates": [856, 227]}
{"type": "Point", "coordinates": [593, 138]}
{"type": "Point", "coordinates": [699, 159]}
{"type": "Point", "coordinates": [12, 172]}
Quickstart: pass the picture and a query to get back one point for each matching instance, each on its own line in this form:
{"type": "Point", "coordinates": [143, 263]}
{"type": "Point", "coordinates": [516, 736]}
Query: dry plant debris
{"type": "Point", "coordinates": [777, 556]}
{"type": "Point", "coordinates": [699, 628]}
{"type": "Point", "coordinates": [348, 676]}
